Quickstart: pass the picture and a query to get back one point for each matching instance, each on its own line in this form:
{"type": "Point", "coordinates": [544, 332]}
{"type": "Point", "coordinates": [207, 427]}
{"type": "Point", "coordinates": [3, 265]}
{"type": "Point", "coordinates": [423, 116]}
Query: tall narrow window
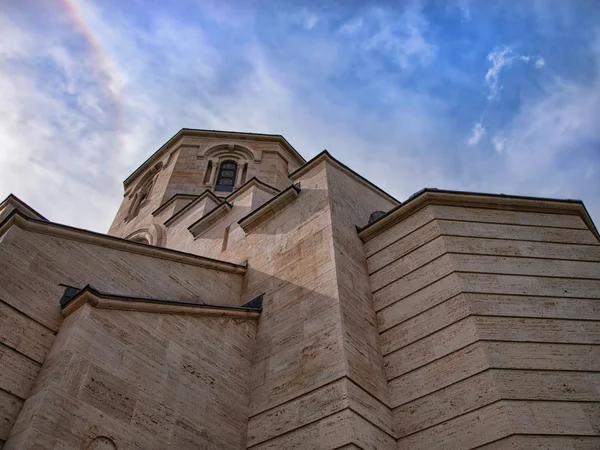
{"type": "Point", "coordinates": [244, 173]}
{"type": "Point", "coordinates": [207, 173]}
{"type": "Point", "coordinates": [226, 176]}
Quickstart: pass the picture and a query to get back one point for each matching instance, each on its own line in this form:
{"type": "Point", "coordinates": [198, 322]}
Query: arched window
{"type": "Point", "coordinates": [226, 176]}
{"type": "Point", "coordinates": [140, 199]}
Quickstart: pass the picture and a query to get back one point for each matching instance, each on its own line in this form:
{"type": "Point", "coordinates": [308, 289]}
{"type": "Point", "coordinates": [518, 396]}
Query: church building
{"type": "Point", "coordinates": [245, 298]}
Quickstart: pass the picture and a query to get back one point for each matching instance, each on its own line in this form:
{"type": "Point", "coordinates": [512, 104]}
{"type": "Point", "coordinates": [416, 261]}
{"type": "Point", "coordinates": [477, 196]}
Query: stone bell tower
{"type": "Point", "coordinates": [196, 163]}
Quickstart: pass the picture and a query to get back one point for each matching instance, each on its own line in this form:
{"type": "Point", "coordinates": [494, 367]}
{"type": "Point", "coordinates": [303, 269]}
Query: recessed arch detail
{"type": "Point", "coordinates": [230, 150]}
{"type": "Point", "coordinates": [155, 235]}
{"type": "Point", "coordinates": [102, 443]}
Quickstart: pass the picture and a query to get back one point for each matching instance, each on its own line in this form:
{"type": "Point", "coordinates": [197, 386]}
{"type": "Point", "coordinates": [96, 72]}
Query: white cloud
{"type": "Point", "coordinates": [499, 144]}
{"type": "Point", "coordinates": [540, 63]}
{"type": "Point", "coordinates": [69, 162]}
{"type": "Point", "coordinates": [476, 134]}
{"type": "Point", "coordinates": [310, 20]}
{"type": "Point", "coordinates": [500, 59]}
{"type": "Point", "coordinates": [402, 37]}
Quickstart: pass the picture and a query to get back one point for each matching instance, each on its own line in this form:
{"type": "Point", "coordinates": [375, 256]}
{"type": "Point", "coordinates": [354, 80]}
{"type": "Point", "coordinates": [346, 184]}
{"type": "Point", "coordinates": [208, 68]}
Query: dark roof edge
{"type": "Point", "coordinates": [20, 219]}
{"type": "Point", "coordinates": [234, 134]}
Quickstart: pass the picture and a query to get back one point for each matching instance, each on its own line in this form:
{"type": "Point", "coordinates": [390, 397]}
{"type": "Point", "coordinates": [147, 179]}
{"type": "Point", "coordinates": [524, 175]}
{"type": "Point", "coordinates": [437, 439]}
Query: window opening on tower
{"type": "Point", "coordinates": [226, 176]}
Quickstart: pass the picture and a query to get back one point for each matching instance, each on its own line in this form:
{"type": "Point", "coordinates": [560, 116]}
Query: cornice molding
{"type": "Point", "coordinates": [325, 156]}
{"type": "Point", "coordinates": [187, 208]}
{"type": "Point", "coordinates": [232, 135]}
{"type": "Point", "coordinates": [191, 197]}
{"type": "Point", "coordinates": [19, 204]}
{"type": "Point", "coordinates": [210, 219]}
{"type": "Point", "coordinates": [268, 209]}
{"type": "Point", "coordinates": [252, 182]}
{"type": "Point", "coordinates": [89, 295]}
{"type": "Point", "coordinates": [18, 219]}
{"type": "Point", "coordinates": [473, 199]}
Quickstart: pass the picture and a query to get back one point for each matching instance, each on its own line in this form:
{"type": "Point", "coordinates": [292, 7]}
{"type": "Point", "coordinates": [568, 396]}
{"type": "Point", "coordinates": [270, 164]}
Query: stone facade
{"type": "Point", "coordinates": [246, 298]}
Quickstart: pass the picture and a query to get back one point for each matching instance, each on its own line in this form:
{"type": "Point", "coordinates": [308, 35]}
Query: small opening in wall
{"type": "Point", "coordinates": [207, 173]}
{"type": "Point", "coordinates": [225, 238]}
{"type": "Point", "coordinates": [170, 158]}
{"type": "Point", "coordinates": [244, 173]}
{"type": "Point", "coordinates": [226, 176]}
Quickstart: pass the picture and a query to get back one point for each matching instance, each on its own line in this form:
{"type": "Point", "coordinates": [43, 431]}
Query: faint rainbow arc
{"type": "Point", "coordinates": [100, 61]}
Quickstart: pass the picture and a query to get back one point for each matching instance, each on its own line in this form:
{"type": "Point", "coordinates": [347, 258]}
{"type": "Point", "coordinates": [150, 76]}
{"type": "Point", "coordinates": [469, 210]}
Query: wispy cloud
{"type": "Point", "coordinates": [499, 143]}
{"type": "Point", "coordinates": [376, 85]}
{"type": "Point", "coordinates": [476, 134]}
{"type": "Point", "coordinates": [501, 58]}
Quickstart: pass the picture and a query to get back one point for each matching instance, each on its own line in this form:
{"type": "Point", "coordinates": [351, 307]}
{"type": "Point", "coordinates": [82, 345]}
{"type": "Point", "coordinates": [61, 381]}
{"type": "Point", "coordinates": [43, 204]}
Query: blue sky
{"type": "Point", "coordinates": [499, 97]}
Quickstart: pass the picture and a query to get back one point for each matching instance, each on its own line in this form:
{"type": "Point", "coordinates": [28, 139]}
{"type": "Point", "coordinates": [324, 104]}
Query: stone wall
{"type": "Point", "coordinates": [489, 327]}
{"type": "Point", "coordinates": [32, 264]}
{"type": "Point", "coordinates": [182, 169]}
{"type": "Point", "coordinates": [142, 380]}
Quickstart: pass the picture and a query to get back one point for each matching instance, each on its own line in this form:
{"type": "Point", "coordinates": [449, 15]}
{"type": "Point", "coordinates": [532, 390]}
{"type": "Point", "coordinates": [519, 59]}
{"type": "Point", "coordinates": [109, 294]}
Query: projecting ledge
{"type": "Point", "coordinates": [207, 221]}
{"type": "Point", "coordinates": [276, 204]}
{"type": "Point", "coordinates": [89, 295]}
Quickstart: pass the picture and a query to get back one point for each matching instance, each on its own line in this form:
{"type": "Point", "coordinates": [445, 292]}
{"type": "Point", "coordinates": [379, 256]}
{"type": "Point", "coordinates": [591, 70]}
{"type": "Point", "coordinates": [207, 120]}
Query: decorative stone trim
{"type": "Point", "coordinates": [96, 299]}
{"type": "Point", "coordinates": [18, 204]}
{"type": "Point", "coordinates": [50, 228]}
{"type": "Point", "coordinates": [175, 142]}
{"type": "Point", "coordinates": [326, 156]}
{"type": "Point", "coordinates": [252, 182]}
{"type": "Point", "coordinates": [191, 197]}
{"type": "Point", "coordinates": [207, 221]}
{"type": "Point", "coordinates": [191, 205]}
{"type": "Point", "coordinates": [269, 209]}
{"type": "Point", "coordinates": [465, 199]}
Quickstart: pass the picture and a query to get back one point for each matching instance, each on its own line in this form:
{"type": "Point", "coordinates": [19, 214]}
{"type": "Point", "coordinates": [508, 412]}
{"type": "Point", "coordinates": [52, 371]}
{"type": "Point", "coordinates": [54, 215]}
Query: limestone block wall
{"type": "Point", "coordinates": [351, 204]}
{"type": "Point", "coordinates": [184, 171]}
{"type": "Point", "coordinates": [32, 264]}
{"type": "Point", "coordinates": [317, 378]}
{"type": "Point", "coordinates": [298, 370]}
{"type": "Point", "coordinates": [142, 380]}
{"type": "Point", "coordinates": [123, 225]}
{"type": "Point", "coordinates": [489, 327]}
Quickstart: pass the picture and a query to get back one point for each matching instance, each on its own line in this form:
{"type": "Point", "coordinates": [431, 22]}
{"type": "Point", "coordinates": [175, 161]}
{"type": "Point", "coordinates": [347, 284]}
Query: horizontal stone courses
{"type": "Point", "coordinates": [347, 408]}
{"type": "Point", "coordinates": [492, 264]}
{"type": "Point", "coordinates": [480, 340]}
{"type": "Point", "coordinates": [496, 316]}
{"type": "Point", "coordinates": [390, 303]}
{"type": "Point", "coordinates": [67, 232]}
{"type": "Point", "coordinates": [496, 231]}
{"type": "Point", "coordinates": [470, 360]}
{"type": "Point", "coordinates": [539, 418]}
{"type": "Point", "coordinates": [24, 355]}
{"type": "Point", "coordinates": [541, 372]}
{"type": "Point", "coordinates": [500, 206]}
{"type": "Point", "coordinates": [317, 387]}
{"type": "Point", "coordinates": [26, 316]}
{"type": "Point", "coordinates": [469, 411]}
{"type": "Point", "coordinates": [493, 385]}
{"type": "Point", "coordinates": [558, 251]}
{"type": "Point", "coordinates": [387, 342]}
{"type": "Point", "coordinates": [548, 441]}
